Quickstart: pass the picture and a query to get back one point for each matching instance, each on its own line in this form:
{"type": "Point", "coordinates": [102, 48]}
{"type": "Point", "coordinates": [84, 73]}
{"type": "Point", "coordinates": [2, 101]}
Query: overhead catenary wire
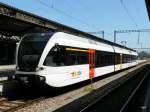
{"type": "Point", "coordinates": [51, 6]}
{"type": "Point", "coordinates": [52, 3]}
{"type": "Point", "coordinates": [86, 8]}
{"type": "Point", "coordinates": [62, 12]}
{"type": "Point", "coordinates": [136, 8]}
{"type": "Point", "coordinates": [129, 15]}
{"type": "Point", "coordinates": [82, 6]}
{"type": "Point", "coordinates": [98, 30]}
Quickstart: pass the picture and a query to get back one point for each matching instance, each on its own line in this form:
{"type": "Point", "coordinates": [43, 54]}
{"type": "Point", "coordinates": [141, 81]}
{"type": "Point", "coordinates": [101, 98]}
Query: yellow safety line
{"type": "Point", "coordinates": [73, 49]}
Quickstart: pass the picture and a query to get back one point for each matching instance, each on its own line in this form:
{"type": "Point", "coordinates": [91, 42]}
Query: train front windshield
{"type": "Point", "coordinates": [30, 50]}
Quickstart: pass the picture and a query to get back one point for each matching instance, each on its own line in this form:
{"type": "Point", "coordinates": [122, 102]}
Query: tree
{"type": "Point", "coordinates": [143, 55]}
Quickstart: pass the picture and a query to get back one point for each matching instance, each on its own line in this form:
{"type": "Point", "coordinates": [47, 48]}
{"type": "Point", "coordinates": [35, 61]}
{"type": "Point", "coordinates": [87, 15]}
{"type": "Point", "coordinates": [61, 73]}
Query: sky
{"type": "Point", "coordinates": [95, 16]}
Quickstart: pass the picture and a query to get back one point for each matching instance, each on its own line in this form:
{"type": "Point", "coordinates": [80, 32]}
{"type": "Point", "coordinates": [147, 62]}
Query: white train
{"type": "Point", "coordinates": [60, 59]}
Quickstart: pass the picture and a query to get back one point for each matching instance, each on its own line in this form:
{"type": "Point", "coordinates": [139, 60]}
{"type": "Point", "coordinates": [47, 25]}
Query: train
{"type": "Point", "coordinates": [60, 59]}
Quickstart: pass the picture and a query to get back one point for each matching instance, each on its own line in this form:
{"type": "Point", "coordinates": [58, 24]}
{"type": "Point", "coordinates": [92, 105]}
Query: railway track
{"type": "Point", "coordinates": [7, 105]}
{"type": "Point", "coordinates": [116, 100]}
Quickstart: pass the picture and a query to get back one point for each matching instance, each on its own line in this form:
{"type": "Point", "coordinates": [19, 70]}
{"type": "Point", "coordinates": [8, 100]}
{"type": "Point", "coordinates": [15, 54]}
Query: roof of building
{"type": "Point", "coordinates": [148, 7]}
{"type": "Point", "coordinates": [16, 22]}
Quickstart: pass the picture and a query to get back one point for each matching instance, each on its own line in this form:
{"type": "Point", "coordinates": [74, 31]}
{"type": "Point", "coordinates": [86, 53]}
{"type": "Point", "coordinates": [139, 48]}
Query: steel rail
{"type": "Point", "coordinates": [109, 92]}
{"type": "Point", "coordinates": [146, 74]}
{"type": "Point", "coordinates": [18, 104]}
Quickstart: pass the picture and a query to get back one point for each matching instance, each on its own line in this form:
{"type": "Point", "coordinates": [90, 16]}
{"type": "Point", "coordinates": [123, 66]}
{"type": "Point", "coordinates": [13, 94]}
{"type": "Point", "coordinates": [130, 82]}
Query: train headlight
{"type": "Point", "coordinates": [23, 78]}
{"type": "Point", "coordinates": [17, 68]}
{"type": "Point", "coordinates": [42, 79]}
{"type": "Point", "coordinates": [39, 68]}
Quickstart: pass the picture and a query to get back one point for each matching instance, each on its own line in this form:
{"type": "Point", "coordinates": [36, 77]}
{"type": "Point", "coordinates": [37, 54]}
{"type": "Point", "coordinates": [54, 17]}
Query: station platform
{"type": "Point", "coordinates": [6, 71]}
{"type": "Point", "coordinates": [78, 98]}
{"type": "Point", "coordinates": [5, 68]}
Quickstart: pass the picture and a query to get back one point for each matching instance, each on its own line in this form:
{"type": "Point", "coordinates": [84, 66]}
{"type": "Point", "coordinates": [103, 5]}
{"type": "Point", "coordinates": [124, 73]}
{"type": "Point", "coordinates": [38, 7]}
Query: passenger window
{"type": "Point", "coordinates": [59, 56]}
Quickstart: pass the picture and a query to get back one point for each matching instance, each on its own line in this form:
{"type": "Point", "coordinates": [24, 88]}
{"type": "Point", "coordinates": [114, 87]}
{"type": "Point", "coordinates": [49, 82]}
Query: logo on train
{"type": "Point", "coordinates": [76, 73]}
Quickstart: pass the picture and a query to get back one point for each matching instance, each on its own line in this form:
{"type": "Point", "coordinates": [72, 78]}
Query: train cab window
{"type": "Point", "coordinates": [31, 49]}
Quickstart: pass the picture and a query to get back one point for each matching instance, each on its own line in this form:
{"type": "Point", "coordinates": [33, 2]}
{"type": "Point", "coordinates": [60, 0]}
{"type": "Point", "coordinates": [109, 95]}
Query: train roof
{"type": "Point", "coordinates": [55, 26]}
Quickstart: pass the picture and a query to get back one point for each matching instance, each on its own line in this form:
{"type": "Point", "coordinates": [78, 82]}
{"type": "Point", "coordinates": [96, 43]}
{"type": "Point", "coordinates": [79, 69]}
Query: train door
{"type": "Point", "coordinates": [91, 63]}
